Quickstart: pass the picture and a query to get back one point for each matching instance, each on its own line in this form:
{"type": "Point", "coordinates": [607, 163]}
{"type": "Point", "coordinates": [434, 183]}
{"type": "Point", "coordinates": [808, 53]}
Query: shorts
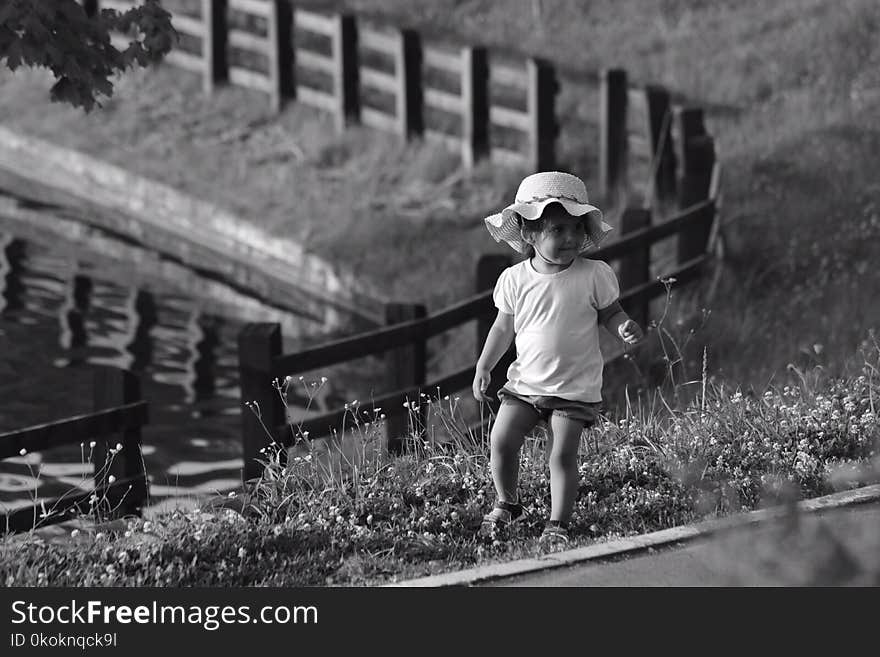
{"type": "Point", "coordinates": [545, 406]}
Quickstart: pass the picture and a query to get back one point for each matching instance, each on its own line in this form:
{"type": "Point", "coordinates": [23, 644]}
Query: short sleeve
{"type": "Point", "coordinates": [606, 289]}
{"type": "Point", "coordinates": [504, 296]}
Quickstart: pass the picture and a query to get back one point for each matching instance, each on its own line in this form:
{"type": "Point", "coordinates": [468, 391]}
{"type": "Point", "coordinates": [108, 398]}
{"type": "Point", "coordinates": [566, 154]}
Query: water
{"type": "Point", "coordinates": [71, 297]}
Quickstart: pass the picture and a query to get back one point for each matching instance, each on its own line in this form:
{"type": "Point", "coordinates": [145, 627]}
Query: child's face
{"type": "Point", "coordinates": [561, 238]}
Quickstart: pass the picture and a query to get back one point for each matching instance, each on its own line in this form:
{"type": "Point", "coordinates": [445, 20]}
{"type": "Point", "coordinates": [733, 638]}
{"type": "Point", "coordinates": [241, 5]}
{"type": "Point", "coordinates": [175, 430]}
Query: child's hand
{"type": "Point", "coordinates": [481, 383]}
{"type": "Point", "coordinates": [630, 332]}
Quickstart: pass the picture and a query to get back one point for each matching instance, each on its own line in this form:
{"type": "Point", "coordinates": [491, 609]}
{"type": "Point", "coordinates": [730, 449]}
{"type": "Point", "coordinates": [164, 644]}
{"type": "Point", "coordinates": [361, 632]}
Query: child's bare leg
{"type": "Point", "coordinates": [563, 466]}
{"type": "Point", "coordinates": [513, 422]}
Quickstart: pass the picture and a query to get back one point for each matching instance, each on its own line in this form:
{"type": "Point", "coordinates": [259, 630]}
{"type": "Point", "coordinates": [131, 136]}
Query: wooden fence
{"type": "Point", "coordinates": [119, 415]}
{"type": "Point", "coordinates": [404, 340]}
{"type": "Point", "coordinates": [482, 104]}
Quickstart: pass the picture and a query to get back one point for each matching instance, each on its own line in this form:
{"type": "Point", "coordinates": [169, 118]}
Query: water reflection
{"type": "Point", "coordinates": [11, 258]}
{"type": "Point", "coordinates": [72, 312]}
{"type": "Point", "coordinates": [68, 304]}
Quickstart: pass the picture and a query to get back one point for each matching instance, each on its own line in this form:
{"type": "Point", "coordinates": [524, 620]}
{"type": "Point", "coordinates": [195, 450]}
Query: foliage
{"type": "Point", "coordinates": [59, 35]}
{"type": "Point", "coordinates": [342, 512]}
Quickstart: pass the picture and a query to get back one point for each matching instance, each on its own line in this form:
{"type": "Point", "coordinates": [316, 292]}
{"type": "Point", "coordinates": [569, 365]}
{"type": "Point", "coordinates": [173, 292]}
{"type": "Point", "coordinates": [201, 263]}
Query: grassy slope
{"type": "Point", "coordinates": [792, 89]}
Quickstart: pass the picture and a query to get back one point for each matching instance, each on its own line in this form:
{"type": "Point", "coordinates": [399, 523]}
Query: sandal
{"type": "Point", "coordinates": [501, 515]}
{"type": "Point", "coordinates": [555, 534]}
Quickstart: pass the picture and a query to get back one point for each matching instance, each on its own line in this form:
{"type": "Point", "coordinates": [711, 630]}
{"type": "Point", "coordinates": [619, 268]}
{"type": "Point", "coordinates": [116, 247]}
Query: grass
{"type": "Point", "coordinates": [791, 92]}
{"type": "Point", "coordinates": [341, 512]}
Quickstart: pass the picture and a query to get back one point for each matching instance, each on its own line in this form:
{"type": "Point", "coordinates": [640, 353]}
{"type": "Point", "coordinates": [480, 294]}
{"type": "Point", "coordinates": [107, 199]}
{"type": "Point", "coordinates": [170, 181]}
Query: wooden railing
{"type": "Point", "coordinates": [404, 340]}
{"type": "Point", "coordinates": [479, 102]}
{"type": "Point", "coordinates": [121, 486]}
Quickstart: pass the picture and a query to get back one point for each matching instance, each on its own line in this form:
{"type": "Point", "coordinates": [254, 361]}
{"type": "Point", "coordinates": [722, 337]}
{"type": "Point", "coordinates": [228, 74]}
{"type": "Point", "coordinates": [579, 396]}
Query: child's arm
{"type": "Point", "coordinates": [497, 342]}
{"type": "Point", "coordinates": [615, 319]}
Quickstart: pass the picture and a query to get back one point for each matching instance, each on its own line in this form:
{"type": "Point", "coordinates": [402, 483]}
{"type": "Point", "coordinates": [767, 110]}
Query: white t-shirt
{"type": "Point", "coordinates": [557, 333]}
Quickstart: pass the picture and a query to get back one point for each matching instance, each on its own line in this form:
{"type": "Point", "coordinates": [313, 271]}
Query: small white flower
{"type": "Point", "coordinates": [111, 479]}
{"type": "Point", "coordinates": [74, 533]}
{"type": "Point", "coordinates": [118, 447]}
{"type": "Point", "coordinates": [242, 553]}
{"type": "Point", "coordinates": [231, 494]}
{"type": "Point", "coordinates": [92, 444]}
{"type": "Point", "coordinates": [22, 451]}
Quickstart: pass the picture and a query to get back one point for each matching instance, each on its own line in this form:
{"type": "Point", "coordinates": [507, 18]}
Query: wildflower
{"type": "Point", "coordinates": [242, 553]}
{"type": "Point", "coordinates": [22, 451]}
{"type": "Point", "coordinates": [74, 533]}
{"type": "Point", "coordinates": [111, 479]}
{"type": "Point", "coordinates": [230, 494]}
{"type": "Point", "coordinates": [118, 447]}
{"type": "Point", "coordinates": [323, 379]}
{"type": "Point", "coordinates": [92, 444]}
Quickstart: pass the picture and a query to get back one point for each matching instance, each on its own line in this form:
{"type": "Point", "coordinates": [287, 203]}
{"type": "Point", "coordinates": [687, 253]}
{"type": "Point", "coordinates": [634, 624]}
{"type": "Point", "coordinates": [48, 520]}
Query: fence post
{"type": "Point", "coordinates": [258, 345]}
{"type": "Point", "coordinates": [697, 161]}
{"type": "Point", "coordinates": [475, 101]}
{"type": "Point", "coordinates": [489, 268]}
{"type": "Point", "coordinates": [542, 90]}
{"type": "Point", "coordinates": [635, 267]}
{"type": "Point", "coordinates": [407, 368]}
{"type": "Point", "coordinates": [345, 80]}
{"type": "Point", "coordinates": [116, 387]}
{"type": "Point", "coordinates": [280, 55]}
{"type": "Point", "coordinates": [410, 109]}
{"type": "Point", "coordinates": [214, 45]}
{"type": "Point", "coordinates": [612, 133]}
{"type": "Point", "coordinates": [662, 149]}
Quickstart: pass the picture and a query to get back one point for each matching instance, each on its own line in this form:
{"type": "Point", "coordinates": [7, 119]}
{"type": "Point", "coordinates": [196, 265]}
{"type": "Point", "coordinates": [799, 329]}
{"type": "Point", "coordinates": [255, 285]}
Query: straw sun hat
{"type": "Point", "coordinates": [535, 193]}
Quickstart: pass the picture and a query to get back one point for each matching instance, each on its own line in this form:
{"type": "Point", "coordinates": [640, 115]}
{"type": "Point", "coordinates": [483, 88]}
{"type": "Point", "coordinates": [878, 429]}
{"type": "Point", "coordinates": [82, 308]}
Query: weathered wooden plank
{"type": "Point", "coordinates": [382, 339]}
{"type": "Point", "coordinates": [380, 120]}
{"type": "Point", "coordinates": [442, 59]}
{"type": "Point", "coordinates": [370, 77]}
{"type": "Point", "coordinates": [245, 77]}
{"type": "Point", "coordinates": [314, 22]}
{"type": "Point", "coordinates": [313, 60]}
{"type": "Point", "coordinates": [73, 430]}
{"type": "Point", "coordinates": [189, 25]}
{"type": "Point", "coordinates": [443, 100]}
{"type": "Point", "coordinates": [684, 273]}
{"type": "Point", "coordinates": [701, 212]}
{"type": "Point", "coordinates": [187, 60]}
{"type": "Point", "coordinates": [509, 76]}
{"type": "Point", "coordinates": [249, 41]}
{"type": "Point", "coordinates": [316, 98]}
{"type": "Point", "coordinates": [261, 8]}
{"type": "Point", "coordinates": [373, 39]}
{"type": "Point", "coordinates": [509, 118]}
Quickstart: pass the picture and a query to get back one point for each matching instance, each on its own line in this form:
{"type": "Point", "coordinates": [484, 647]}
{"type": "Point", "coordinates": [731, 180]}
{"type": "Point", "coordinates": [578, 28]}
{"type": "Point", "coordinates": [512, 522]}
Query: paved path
{"type": "Point", "coordinates": [839, 546]}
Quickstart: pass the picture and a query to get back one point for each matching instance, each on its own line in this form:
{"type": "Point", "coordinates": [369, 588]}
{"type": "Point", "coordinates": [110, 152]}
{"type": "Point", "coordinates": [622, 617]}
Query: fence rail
{"type": "Point", "coordinates": [119, 475]}
{"type": "Point", "coordinates": [404, 340]}
{"type": "Point", "coordinates": [480, 122]}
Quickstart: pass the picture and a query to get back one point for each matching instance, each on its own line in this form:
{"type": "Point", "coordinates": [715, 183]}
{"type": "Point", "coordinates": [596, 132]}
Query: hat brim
{"type": "Point", "coordinates": [503, 225]}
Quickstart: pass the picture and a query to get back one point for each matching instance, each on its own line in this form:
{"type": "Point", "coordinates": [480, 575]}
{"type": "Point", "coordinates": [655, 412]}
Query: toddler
{"type": "Point", "coordinates": [553, 302]}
